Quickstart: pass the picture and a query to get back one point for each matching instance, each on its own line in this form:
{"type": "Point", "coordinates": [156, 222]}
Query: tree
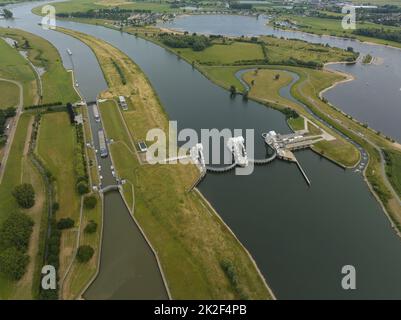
{"type": "Point", "coordinates": [277, 76]}
{"type": "Point", "coordinates": [91, 227]}
{"type": "Point", "coordinates": [82, 187]}
{"type": "Point", "coordinates": [233, 90]}
{"type": "Point", "coordinates": [25, 195]}
{"type": "Point", "coordinates": [7, 14]}
{"type": "Point", "coordinates": [85, 253]}
{"type": "Point", "coordinates": [13, 263]}
{"type": "Point", "coordinates": [26, 44]}
{"type": "Point", "coordinates": [90, 202]}
{"type": "Point", "coordinates": [65, 223]}
{"type": "Point", "coordinates": [71, 113]}
{"type": "Point", "coordinates": [16, 231]}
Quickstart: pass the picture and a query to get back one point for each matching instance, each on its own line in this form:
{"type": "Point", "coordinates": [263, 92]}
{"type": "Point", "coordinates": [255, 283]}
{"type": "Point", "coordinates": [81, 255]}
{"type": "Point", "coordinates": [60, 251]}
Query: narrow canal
{"type": "Point", "coordinates": [300, 236]}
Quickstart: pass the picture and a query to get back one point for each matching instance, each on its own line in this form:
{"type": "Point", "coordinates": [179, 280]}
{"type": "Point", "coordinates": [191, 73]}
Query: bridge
{"type": "Point", "coordinates": [110, 188]}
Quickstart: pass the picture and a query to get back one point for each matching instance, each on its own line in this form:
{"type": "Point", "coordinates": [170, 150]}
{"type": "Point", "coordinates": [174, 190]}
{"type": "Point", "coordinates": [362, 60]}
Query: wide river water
{"type": "Point", "coordinates": [300, 236]}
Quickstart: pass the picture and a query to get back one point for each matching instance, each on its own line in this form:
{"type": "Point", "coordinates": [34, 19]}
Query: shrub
{"type": "Point", "coordinates": [55, 207]}
{"type": "Point", "coordinates": [13, 263]}
{"type": "Point", "coordinates": [90, 202]}
{"type": "Point", "coordinates": [91, 227]}
{"type": "Point", "coordinates": [65, 223]}
{"type": "Point", "coordinates": [82, 187]}
{"type": "Point", "coordinates": [25, 195]}
{"type": "Point", "coordinates": [85, 253]}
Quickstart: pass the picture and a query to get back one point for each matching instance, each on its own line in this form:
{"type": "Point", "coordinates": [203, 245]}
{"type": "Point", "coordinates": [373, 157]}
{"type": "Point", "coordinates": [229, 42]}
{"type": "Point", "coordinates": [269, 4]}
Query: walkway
{"type": "Point", "coordinates": [13, 129]}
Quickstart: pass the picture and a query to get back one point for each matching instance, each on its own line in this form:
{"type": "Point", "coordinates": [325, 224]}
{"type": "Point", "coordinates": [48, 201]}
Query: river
{"type": "Point", "coordinates": [300, 236]}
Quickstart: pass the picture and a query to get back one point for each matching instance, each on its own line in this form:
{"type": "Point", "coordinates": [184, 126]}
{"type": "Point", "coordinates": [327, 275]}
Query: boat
{"type": "Point", "coordinates": [69, 52]}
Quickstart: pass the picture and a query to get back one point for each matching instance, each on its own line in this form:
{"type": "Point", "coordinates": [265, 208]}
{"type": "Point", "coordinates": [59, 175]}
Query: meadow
{"type": "Point", "coordinates": [14, 67]}
{"type": "Point", "coordinates": [57, 82]}
{"type": "Point", "coordinates": [56, 147]}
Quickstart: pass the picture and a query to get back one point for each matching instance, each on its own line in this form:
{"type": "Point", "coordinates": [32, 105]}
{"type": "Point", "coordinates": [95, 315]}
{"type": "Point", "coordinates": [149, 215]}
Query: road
{"type": "Point", "coordinates": [13, 127]}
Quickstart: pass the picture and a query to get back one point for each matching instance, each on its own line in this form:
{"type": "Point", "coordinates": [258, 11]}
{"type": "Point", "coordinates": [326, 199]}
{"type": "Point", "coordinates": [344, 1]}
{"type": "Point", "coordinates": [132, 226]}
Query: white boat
{"type": "Point", "coordinates": [69, 52]}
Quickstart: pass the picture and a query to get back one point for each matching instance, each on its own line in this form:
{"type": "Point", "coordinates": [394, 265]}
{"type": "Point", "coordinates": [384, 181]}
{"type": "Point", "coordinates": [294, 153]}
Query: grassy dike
{"type": "Point", "coordinates": [57, 82]}
{"type": "Point", "coordinates": [180, 226]}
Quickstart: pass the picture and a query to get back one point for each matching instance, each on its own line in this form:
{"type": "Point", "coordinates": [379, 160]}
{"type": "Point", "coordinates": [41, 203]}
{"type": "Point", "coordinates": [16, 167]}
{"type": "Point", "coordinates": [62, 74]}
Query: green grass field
{"type": "Point", "coordinates": [224, 76]}
{"type": "Point", "coordinates": [224, 54]}
{"type": "Point", "coordinates": [394, 171]}
{"type": "Point", "coordinates": [279, 50]}
{"type": "Point", "coordinates": [56, 146]}
{"type": "Point", "coordinates": [14, 67]}
{"type": "Point", "coordinates": [297, 123]}
{"type": "Point", "coordinates": [9, 94]}
{"type": "Point", "coordinates": [57, 82]}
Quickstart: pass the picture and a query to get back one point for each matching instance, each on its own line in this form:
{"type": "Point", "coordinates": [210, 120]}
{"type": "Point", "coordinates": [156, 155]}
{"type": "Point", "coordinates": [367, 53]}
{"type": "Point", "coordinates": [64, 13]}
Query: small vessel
{"type": "Point", "coordinates": [76, 84]}
{"type": "Point", "coordinates": [69, 52]}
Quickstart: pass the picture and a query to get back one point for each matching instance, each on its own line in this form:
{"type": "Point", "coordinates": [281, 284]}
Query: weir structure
{"type": "Point", "coordinates": [282, 145]}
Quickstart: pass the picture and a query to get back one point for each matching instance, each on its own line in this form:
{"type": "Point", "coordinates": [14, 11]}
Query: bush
{"type": "Point", "coordinates": [82, 187]}
{"type": "Point", "coordinates": [25, 195]}
{"type": "Point", "coordinates": [55, 207]}
{"type": "Point", "coordinates": [13, 263]}
{"type": "Point", "coordinates": [91, 227]}
{"type": "Point", "coordinates": [16, 231]}
{"type": "Point", "coordinates": [85, 253]}
{"type": "Point", "coordinates": [90, 202]}
{"type": "Point", "coordinates": [65, 223]}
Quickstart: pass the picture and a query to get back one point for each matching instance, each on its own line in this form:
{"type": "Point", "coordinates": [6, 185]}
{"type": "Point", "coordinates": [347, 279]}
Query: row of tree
{"type": "Point", "coordinates": [380, 34]}
{"type": "Point", "coordinates": [195, 42]}
{"type": "Point", "coordinates": [15, 233]}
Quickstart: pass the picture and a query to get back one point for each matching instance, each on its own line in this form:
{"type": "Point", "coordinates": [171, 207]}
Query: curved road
{"type": "Point", "coordinates": [13, 127]}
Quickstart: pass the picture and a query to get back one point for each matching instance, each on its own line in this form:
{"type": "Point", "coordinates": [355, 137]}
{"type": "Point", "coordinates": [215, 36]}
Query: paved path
{"type": "Point", "coordinates": [14, 125]}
